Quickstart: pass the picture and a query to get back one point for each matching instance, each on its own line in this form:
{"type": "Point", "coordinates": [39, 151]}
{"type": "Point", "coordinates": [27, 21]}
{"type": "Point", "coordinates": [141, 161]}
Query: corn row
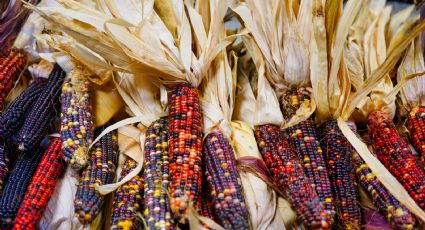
{"type": "Point", "coordinates": [36, 125]}
{"type": "Point", "coordinates": [76, 119]}
{"type": "Point", "coordinates": [281, 159]}
{"type": "Point", "coordinates": [224, 183]}
{"type": "Point", "coordinates": [16, 186]}
{"type": "Point", "coordinates": [415, 124]}
{"type": "Point", "coordinates": [10, 68]}
{"type": "Point", "coordinates": [88, 201]}
{"type": "Point", "coordinates": [397, 215]}
{"type": "Point", "coordinates": [4, 166]}
{"type": "Point", "coordinates": [13, 118]}
{"type": "Point", "coordinates": [185, 125]}
{"type": "Point", "coordinates": [341, 175]}
{"type": "Point", "coordinates": [157, 205]}
{"type": "Point", "coordinates": [395, 154]}
{"type": "Point", "coordinates": [127, 207]}
{"type": "Point", "coordinates": [304, 137]}
{"type": "Point", "coordinates": [41, 187]}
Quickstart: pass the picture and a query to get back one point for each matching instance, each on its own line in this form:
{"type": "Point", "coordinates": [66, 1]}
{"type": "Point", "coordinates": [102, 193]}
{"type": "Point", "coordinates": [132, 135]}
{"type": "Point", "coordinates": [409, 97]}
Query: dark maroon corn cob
{"type": "Point", "coordinates": [395, 154]}
{"type": "Point", "coordinates": [11, 65]}
{"type": "Point", "coordinates": [4, 166]}
{"type": "Point", "coordinates": [282, 160]}
{"type": "Point", "coordinates": [14, 117]}
{"type": "Point", "coordinates": [156, 176]}
{"type": "Point", "coordinates": [128, 200]}
{"type": "Point", "coordinates": [341, 174]}
{"type": "Point", "coordinates": [41, 187]}
{"type": "Point", "coordinates": [16, 186]}
{"type": "Point", "coordinates": [88, 201]}
{"type": "Point", "coordinates": [416, 127]}
{"type": "Point", "coordinates": [304, 137]}
{"type": "Point", "coordinates": [185, 125]}
{"type": "Point", "coordinates": [46, 107]}
{"type": "Point", "coordinates": [223, 182]}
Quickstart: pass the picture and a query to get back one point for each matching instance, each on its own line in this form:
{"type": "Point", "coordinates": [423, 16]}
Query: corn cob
{"type": "Point", "coordinates": [415, 122]}
{"type": "Point", "coordinates": [4, 165]}
{"type": "Point", "coordinates": [223, 181]}
{"type": "Point", "coordinates": [11, 66]}
{"type": "Point", "coordinates": [341, 175]}
{"type": "Point", "coordinates": [185, 125]}
{"type": "Point", "coordinates": [88, 201]}
{"type": "Point", "coordinates": [41, 187]}
{"type": "Point", "coordinates": [76, 119]}
{"type": "Point", "coordinates": [16, 186]}
{"type": "Point", "coordinates": [304, 137]}
{"type": "Point", "coordinates": [396, 156]}
{"type": "Point", "coordinates": [13, 118]}
{"type": "Point", "coordinates": [397, 215]}
{"type": "Point", "coordinates": [128, 201]}
{"type": "Point", "coordinates": [36, 125]}
{"type": "Point", "coordinates": [280, 157]}
{"type": "Point", "coordinates": [157, 206]}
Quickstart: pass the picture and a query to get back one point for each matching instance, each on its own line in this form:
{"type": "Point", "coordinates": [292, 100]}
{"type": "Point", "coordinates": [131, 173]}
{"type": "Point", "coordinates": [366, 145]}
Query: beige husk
{"type": "Point", "coordinates": [369, 49]}
{"type": "Point", "coordinates": [413, 94]}
{"type": "Point", "coordinates": [266, 209]}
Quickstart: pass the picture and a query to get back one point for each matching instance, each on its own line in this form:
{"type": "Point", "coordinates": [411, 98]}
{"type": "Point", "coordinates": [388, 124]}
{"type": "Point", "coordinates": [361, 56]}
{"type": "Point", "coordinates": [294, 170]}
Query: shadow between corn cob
{"type": "Point", "coordinates": [341, 174]}
{"type": "Point", "coordinates": [185, 146]}
{"type": "Point", "coordinates": [41, 187]}
{"type": "Point", "coordinates": [128, 199]}
{"type": "Point", "coordinates": [281, 159]}
{"type": "Point", "coordinates": [156, 177]}
{"type": "Point", "coordinates": [88, 201]}
{"type": "Point", "coordinates": [38, 120]}
{"type": "Point", "coordinates": [16, 186]}
{"type": "Point", "coordinates": [304, 137]}
{"type": "Point", "coordinates": [395, 154]}
{"type": "Point", "coordinates": [11, 66]}
{"type": "Point", "coordinates": [223, 182]}
{"type": "Point", "coordinates": [76, 118]}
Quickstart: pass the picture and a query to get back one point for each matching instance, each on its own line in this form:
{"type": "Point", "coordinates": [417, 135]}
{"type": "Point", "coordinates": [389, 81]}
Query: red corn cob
{"type": "Point", "coordinates": [393, 151]}
{"type": "Point", "coordinates": [10, 68]}
{"type": "Point", "coordinates": [41, 187]}
{"type": "Point", "coordinates": [341, 175]}
{"type": "Point", "coordinates": [185, 125]}
{"type": "Point", "coordinates": [415, 124]}
{"type": "Point", "coordinates": [285, 167]}
{"type": "Point", "coordinates": [223, 182]}
{"type": "Point", "coordinates": [304, 137]}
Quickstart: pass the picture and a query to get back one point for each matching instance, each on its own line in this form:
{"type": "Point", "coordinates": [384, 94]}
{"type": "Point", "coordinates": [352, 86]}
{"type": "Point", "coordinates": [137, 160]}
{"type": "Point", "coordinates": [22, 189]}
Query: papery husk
{"type": "Point", "coordinates": [106, 103]}
{"type": "Point", "coordinates": [383, 175]}
{"type": "Point", "coordinates": [165, 11]}
{"type": "Point", "coordinates": [59, 213]}
{"type": "Point", "coordinates": [413, 94]}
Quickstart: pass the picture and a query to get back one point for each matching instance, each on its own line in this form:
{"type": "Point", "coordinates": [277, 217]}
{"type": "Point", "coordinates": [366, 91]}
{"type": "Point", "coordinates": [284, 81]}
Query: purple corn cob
{"type": "Point", "coordinates": [4, 166]}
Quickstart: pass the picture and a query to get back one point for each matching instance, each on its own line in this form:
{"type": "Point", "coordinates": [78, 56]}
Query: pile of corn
{"type": "Point", "coordinates": [242, 114]}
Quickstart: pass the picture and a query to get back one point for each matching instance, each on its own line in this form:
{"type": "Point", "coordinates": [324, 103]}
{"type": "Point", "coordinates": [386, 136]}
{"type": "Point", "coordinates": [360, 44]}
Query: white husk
{"type": "Point", "coordinates": [413, 94]}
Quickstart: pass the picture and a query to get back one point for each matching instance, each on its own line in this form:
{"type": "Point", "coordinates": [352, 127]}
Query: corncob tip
{"type": "Point", "coordinates": [378, 117]}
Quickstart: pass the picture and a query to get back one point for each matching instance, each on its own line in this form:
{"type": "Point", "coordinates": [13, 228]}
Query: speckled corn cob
{"type": "Point", "coordinates": [36, 125]}
{"type": "Point", "coordinates": [10, 68]}
{"type": "Point", "coordinates": [396, 156]}
{"type": "Point", "coordinates": [397, 215]}
{"type": "Point", "coordinates": [224, 183]}
{"type": "Point", "coordinates": [128, 200]}
{"type": "Point", "coordinates": [416, 127]}
{"type": "Point", "coordinates": [304, 137]}
{"type": "Point", "coordinates": [281, 159]}
{"type": "Point", "coordinates": [76, 119]}
{"type": "Point", "coordinates": [88, 201]}
{"type": "Point", "coordinates": [14, 117]}
{"type": "Point", "coordinates": [41, 187]}
{"type": "Point", "coordinates": [157, 205]}
{"type": "Point", "coordinates": [4, 166]}
{"type": "Point", "coordinates": [341, 175]}
{"type": "Point", "coordinates": [185, 125]}
{"type": "Point", "coordinates": [16, 186]}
